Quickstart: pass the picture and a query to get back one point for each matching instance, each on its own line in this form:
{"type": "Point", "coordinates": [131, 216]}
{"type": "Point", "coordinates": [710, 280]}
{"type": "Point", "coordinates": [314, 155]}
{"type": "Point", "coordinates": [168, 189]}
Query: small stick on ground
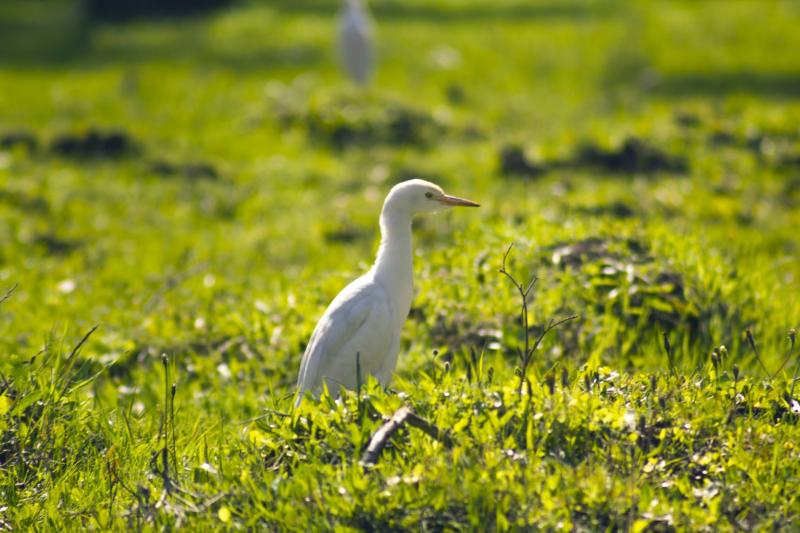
{"type": "Point", "coordinates": [404, 415]}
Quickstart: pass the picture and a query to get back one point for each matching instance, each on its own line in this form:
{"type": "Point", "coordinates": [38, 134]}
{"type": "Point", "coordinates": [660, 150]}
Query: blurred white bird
{"type": "Point", "coordinates": [364, 321]}
{"type": "Point", "coordinates": [355, 41]}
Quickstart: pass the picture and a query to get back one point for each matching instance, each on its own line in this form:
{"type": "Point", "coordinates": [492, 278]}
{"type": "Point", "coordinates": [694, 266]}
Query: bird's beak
{"type": "Point", "coordinates": [455, 200]}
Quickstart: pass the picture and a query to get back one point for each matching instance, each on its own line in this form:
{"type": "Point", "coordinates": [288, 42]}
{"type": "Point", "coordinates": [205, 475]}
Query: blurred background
{"type": "Point", "coordinates": [187, 172]}
{"type": "Point", "coordinates": [200, 178]}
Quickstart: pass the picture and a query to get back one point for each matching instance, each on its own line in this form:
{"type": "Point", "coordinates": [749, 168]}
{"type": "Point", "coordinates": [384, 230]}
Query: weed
{"type": "Point", "coordinates": [526, 354]}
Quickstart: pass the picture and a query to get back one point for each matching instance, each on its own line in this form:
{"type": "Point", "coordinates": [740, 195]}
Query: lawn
{"type": "Point", "coordinates": [181, 197]}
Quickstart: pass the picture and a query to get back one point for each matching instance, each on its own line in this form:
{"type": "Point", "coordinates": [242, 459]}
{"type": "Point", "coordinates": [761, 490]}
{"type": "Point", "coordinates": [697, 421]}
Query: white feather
{"type": "Point", "coordinates": [355, 42]}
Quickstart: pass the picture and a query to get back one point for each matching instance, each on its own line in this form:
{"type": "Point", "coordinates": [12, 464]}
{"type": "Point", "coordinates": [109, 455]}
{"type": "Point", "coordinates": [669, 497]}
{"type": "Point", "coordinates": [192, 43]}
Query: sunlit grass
{"type": "Point", "coordinates": [242, 201]}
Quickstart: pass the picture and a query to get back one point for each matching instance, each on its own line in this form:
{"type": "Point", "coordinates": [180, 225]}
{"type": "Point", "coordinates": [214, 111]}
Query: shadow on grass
{"type": "Point", "coordinates": [768, 84]}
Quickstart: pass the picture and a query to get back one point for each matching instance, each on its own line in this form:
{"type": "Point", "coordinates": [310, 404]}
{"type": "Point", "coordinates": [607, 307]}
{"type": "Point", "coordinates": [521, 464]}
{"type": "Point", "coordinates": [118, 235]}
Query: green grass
{"type": "Point", "coordinates": [243, 192]}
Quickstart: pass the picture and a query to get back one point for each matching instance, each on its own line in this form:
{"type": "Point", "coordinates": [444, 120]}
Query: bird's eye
{"type": "Point", "coordinates": [428, 195]}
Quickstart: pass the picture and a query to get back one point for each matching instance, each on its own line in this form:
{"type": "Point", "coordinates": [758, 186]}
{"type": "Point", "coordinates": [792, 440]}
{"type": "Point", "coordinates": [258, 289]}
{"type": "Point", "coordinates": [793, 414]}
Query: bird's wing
{"type": "Point", "coordinates": [342, 320]}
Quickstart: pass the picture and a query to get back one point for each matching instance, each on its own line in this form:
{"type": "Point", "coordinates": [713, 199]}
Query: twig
{"type": "Point", "coordinates": [524, 292]}
{"type": "Point", "coordinates": [78, 346]}
{"type": "Point", "coordinates": [9, 293]}
{"type": "Point", "coordinates": [550, 326]}
{"type": "Point", "coordinates": [165, 426]}
{"type": "Point", "coordinates": [792, 337]}
{"type": "Point", "coordinates": [70, 361]}
{"type": "Point", "coordinates": [752, 341]}
{"type": "Point", "coordinates": [404, 415]}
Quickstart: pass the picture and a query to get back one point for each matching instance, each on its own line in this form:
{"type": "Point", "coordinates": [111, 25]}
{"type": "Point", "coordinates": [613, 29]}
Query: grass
{"type": "Point", "coordinates": [181, 198]}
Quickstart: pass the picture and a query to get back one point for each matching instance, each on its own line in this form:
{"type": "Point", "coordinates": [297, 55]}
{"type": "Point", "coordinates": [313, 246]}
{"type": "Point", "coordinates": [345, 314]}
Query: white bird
{"type": "Point", "coordinates": [355, 41]}
{"type": "Point", "coordinates": [364, 321]}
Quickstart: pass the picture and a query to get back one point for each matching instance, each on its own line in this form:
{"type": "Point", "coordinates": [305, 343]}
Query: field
{"type": "Point", "coordinates": [181, 197]}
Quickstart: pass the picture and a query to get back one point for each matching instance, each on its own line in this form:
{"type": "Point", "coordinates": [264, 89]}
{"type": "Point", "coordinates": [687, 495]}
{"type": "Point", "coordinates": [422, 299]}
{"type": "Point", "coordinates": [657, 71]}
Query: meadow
{"type": "Point", "coordinates": [181, 197]}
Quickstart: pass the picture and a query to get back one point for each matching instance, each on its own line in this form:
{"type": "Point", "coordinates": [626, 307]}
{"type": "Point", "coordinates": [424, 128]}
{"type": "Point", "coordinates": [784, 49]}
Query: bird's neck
{"type": "Point", "coordinates": [394, 263]}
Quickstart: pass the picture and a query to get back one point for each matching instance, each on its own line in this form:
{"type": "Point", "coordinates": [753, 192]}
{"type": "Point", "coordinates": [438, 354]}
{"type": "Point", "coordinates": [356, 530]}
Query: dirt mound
{"type": "Point", "coordinates": [623, 277]}
{"type": "Point", "coordinates": [634, 156]}
{"type": "Point", "coordinates": [346, 121]}
{"type": "Point", "coordinates": [94, 143]}
{"type": "Point", "coordinates": [14, 138]}
{"type": "Point", "coordinates": [196, 170]}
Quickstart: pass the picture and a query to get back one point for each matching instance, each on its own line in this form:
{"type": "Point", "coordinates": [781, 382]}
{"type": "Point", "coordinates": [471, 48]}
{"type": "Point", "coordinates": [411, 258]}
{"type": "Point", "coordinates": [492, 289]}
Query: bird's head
{"type": "Point", "coordinates": [420, 196]}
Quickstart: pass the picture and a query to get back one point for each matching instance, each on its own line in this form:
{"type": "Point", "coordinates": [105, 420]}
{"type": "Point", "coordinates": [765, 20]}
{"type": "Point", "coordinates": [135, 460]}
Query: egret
{"type": "Point", "coordinates": [355, 41]}
{"type": "Point", "coordinates": [360, 329]}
